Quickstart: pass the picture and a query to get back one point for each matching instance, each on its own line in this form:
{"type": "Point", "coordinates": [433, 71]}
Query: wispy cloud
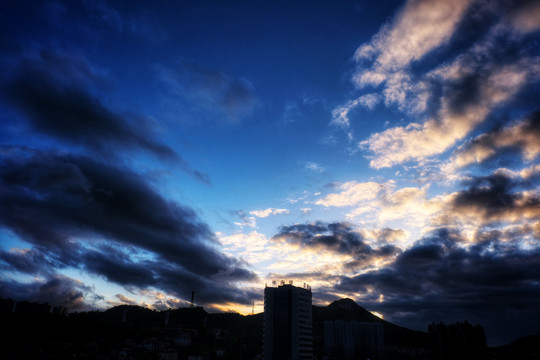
{"type": "Point", "coordinates": [352, 193]}
{"type": "Point", "coordinates": [340, 115]}
{"type": "Point", "coordinates": [267, 212]}
{"type": "Point", "coordinates": [210, 90]}
{"type": "Point", "coordinates": [457, 116]}
{"type": "Point", "coordinates": [453, 97]}
{"type": "Point", "coordinates": [314, 167]}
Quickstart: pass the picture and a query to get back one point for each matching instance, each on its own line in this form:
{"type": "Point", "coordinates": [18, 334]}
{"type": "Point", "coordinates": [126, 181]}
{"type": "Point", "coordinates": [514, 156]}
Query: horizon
{"type": "Point", "coordinates": [384, 152]}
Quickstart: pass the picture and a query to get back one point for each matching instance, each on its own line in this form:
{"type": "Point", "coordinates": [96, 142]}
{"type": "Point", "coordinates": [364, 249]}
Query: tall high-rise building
{"type": "Point", "coordinates": [287, 323]}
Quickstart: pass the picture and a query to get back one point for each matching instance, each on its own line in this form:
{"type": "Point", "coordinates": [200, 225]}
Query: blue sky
{"type": "Point", "coordinates": [386, 152]}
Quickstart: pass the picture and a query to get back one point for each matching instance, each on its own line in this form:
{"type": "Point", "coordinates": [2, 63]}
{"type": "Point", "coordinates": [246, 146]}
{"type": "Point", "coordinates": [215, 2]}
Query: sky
{"type": "Point", "coordinates": [383, 151]}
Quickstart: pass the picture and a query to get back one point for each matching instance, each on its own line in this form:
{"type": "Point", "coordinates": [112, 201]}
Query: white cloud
{"type": "Point", "coordinates": [419, 141]}
{"type": "Point", "coordinates": [419, 28]}
{"type": "Point", "coordinates": [314, 167]}
{"type": "Point", "coordinates": [247, 221]}
{"type": "Point", "coordinates": [340, 115]}
{"type": "Point", "coordinates": [267, 212]}
{"type": "Point", "coordinates": [352, 193]}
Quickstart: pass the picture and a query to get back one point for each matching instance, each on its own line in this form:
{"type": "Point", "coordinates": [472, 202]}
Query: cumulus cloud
{"type": "Point", "coordinates": [497, 197]}
{"type": "Point", "coordinates": [491, 283]}
{"type": "Point", "coordinates": [76, 212]}
{"type": "Point", "coordinates": [383, 202]}
{"type": "Point", "coordinates": [340, 238]}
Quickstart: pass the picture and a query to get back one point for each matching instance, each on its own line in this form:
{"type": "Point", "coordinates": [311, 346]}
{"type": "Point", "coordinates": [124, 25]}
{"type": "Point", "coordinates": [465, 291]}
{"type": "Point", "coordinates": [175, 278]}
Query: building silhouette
{"type": "Point", "coordinates": [353, 340]}
{"type": "Point", "coordinates": [287, 323]}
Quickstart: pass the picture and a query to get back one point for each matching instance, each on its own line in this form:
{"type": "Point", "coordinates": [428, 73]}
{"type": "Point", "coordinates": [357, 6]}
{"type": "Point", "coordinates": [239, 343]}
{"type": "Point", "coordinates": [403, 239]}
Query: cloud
{"type": "Point", "coordinates": [54, 93]}
{"type": "Point", "coordinates": [57, 291]}
{"type": "Point", "coordinates": [457, 117]}
{"type": "Point", "coordinates": [314, 167]}
{"type": "Point", "coordinates": [213, 91]}
{"type": "Point", "coordinates": [340, 115]}
{"type": "Point", "coordinates": [79, 213]}
{"type": "Point", "coordinates": [491, 283]}
{"type": "Point", "coordinates": [246, 221]}
{"type": "Point", "coordinates": [26, 260]}
{"type": "Point", "coordinates": [382, 202]}
{"type": "Point", "coordinates": [268, 212]}
{"type": "Point", "coordinates": [497, 197]}
{"type": "Point", "coordinates": [522, 135]}
{"type": "Point", "coordinates": [66, 111]}
{"type": "Point", "coordinates": [125, 300]}
{"type": "Point", "coordinates": [337, 237]}
{"type": "Point", "coordinates": [447, 98]}
{"type": "Point", "coordinates": [352, 193]}
{"type": "Point", "coordinates": [419, 28]}
{"type": "Point", "coordinates": [524, 18]}
{"type": "Point", "coordinates": [253, 247]}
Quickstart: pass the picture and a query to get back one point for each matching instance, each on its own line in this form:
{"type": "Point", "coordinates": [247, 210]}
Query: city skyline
{"type": "Point", "coordinates": [384, 152]}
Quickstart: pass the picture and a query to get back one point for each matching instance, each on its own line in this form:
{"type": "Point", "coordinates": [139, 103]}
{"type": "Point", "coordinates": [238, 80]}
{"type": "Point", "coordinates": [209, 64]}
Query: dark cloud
{"type": "Point", "coordinates": [490, 282]}
{"type": "Point", "coordinates": [28, 260]}
{"type": "Point", "coordinates": [505, 144]}
{"type": "Point", "coordinates": [53, 91]}
{"type": "Point", "coordinates": [55, 104]}
{"type": "Point", "coordinates": [493, 43]}
{"type": "Point", "coordinates": [107, 220]}
{"type": "Point", "coordinates": [212, 90]}
{"type": "Point", "coordinates": [338, 237]}
{"type": "Point", "coordinates": [57, 291]}
{"type": "Point", "coordinates": [496, 197]}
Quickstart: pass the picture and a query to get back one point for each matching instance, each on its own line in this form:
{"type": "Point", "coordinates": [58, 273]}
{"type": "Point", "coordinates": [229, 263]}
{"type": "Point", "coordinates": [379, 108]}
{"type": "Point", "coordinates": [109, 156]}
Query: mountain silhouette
{"type": "Point", "coordinates": [101, 332]}
{"type": "Point", "coordinates": [348, 310]}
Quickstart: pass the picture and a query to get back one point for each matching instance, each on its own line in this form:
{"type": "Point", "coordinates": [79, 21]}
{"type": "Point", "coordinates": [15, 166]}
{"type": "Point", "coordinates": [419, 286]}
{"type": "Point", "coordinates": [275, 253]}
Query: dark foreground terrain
{"type": "Point", "coordinates": [132, 332]}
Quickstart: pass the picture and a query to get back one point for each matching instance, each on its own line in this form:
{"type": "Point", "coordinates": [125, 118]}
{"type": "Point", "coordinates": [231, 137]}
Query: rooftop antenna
{"type": "Point", "coordinates": [192, 298]}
